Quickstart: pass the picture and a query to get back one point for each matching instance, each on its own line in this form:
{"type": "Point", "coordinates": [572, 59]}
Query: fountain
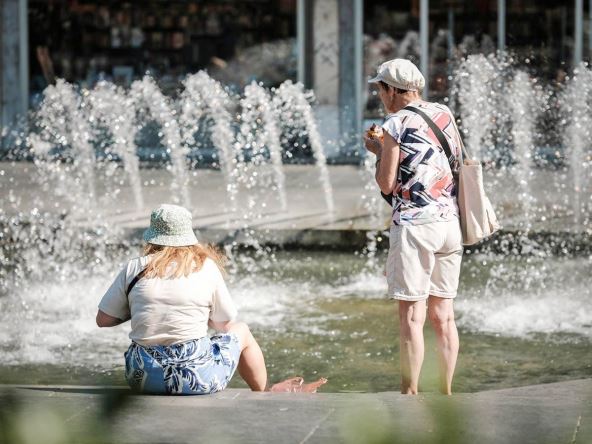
{"type": "Point", "coordinates": [116, 112]}
{"type": "Point", "coordinates": [321, 310]}
{"type": "Point", "coordinates": [64, 120]}
{"type": "Point", "coordinates": [110, 118]}
{"type": "Point", "coordinates": [523, 118]}
{"type": "Point", "coordinates": [510, 120]}
{"type": "Point", "coordinates": [145, 92]}
{"type": "Point", "coordinates": [578, 131]}
{"type": "Point", "coordinates": [477, 103]}
{"type": "Point", "coordinates": [203, 97]}
{"type": "Point", "coordinates": [259, 131]}
{"type": "Point", "coordinates": [294, 108]}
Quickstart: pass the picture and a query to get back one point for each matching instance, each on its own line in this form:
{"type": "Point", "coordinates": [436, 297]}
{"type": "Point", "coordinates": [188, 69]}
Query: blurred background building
{"type": "Point", "coordinates": [329, 45]}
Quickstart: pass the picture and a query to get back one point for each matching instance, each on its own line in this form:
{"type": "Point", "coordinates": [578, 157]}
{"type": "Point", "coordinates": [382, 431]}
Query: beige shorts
{"type": "Point", "coordinates": [424, 260]}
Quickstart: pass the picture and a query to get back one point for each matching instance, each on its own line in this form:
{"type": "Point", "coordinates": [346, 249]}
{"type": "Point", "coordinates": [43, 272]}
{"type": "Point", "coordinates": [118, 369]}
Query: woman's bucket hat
{"type": "Point", "coordinates": [170, 225]}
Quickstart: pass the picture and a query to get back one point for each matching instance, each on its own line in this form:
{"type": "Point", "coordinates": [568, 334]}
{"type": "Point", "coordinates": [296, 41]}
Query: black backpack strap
{"type": "Point", "coordinates": [438, 133]}
{"type": "Point", "coordinates": [135, 280]}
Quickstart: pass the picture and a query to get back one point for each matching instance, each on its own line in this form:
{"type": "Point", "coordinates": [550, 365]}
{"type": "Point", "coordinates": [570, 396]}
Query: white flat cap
{"type": "Point", "coordinates": [400, 73]}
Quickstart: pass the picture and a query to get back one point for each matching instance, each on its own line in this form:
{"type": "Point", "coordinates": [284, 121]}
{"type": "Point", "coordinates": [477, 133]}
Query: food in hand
{"type": "Point", "coordinates": [375, 132]}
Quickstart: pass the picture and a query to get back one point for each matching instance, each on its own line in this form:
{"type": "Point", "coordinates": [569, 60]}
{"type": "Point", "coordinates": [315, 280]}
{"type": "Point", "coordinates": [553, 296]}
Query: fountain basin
{"type": "Point", "coordinates": [522, 321]}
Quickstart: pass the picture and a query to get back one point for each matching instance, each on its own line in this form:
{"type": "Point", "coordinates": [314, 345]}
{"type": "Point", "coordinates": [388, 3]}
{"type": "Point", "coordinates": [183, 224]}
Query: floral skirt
{"type": "Point", "coordinates": [196, 367]}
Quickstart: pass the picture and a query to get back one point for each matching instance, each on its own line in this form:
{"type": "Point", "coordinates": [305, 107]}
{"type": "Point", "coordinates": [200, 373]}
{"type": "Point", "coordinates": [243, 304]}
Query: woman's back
{"type": "Point", "coordinates": [179, 291]}
{"type": "Point", "coordinates": [169, 310]}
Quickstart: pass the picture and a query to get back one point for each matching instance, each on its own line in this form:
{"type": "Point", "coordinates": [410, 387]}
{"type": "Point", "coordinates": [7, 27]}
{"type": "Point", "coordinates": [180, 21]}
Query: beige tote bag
{"type": "Point", "coordinates": [477, 218]}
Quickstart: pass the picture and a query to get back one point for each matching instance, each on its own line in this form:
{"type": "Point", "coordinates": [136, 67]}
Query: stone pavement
{"type": "Point", "coordinates": [550, 413]}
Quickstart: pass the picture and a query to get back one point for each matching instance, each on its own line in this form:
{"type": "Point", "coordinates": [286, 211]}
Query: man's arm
{"type": "Point", "coordinates": [388, 165]}
{"type": "Point", "coordinates": [105, 320]}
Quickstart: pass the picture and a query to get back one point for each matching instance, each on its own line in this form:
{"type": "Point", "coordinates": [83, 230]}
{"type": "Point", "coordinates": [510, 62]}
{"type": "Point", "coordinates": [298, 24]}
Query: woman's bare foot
{"type": "Point", "coordinates": [289, 385]}
{"type": "Point", "coordinates": [313, 386]}
{"type": "Point", "coordinates": [294, 385]}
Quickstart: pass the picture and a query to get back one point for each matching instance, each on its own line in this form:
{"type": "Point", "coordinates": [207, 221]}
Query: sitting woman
{"type": "Point", "coordinates": [172, 294]}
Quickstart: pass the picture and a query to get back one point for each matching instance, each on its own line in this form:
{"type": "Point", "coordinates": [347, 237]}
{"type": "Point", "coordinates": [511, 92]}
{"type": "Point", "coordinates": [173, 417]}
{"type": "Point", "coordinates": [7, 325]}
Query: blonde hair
{"type": "Point", "coordinates": [186, 259]}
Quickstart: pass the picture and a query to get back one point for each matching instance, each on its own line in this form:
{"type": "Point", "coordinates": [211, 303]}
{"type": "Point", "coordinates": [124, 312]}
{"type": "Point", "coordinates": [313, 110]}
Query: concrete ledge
{"type": "Point", "coordinates": [549, 413]}
{"type": "Point", "coordinates": [503, 242]}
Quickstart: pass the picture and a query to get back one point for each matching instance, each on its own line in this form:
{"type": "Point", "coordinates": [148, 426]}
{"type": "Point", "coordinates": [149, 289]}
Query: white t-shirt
{"type": "Point", "coordinates": [167, 311]}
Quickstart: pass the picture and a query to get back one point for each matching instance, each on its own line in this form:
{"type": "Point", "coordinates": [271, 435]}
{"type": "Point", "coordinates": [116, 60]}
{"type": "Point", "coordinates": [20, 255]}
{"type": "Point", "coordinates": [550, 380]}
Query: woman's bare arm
{"type": "Point", "coordinates": [105, 320]}
{"type": "Point", "coordinates": [387, 168]}
{"type": "Point", "coordinates": [220, 326]}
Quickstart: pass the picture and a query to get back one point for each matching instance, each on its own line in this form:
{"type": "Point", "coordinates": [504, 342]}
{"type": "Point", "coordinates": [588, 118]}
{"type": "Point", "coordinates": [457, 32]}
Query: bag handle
{"type": "Point", "coordinates": [465, 152]}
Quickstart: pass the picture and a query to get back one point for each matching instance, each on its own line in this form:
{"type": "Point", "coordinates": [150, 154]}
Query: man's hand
{"type": "Point", "coordinates": [373, 139]}
{"type": "Point", "coordinates": [373, 145]}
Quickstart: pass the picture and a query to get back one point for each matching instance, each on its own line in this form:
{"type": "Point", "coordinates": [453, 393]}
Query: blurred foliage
{"type": "Point", "coordinates": [434, 421]}
{"type": "Point", "coordinates": [24, 422]}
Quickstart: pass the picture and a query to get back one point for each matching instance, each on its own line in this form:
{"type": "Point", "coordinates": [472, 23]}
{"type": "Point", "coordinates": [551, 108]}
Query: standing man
{"type": "Point", "coordinates": [425, 251]}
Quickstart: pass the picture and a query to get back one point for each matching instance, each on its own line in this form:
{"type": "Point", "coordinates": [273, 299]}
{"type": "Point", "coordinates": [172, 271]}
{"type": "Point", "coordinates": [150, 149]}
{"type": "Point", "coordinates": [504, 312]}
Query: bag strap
{"type": "Point", "coordinates": [135, 280]}
{"type": "Point", "coordinates": [388, 198]}
{"type": "Point", "coordinates": [441, 139]}
{"type": "Point", "coordinates": [437, 132]}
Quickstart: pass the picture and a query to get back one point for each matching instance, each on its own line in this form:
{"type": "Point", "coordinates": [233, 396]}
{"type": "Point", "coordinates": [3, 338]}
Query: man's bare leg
{"type": "Point", "coordinates": [411, 320]}
{"type": "Point", "coordinates": [441, 314]}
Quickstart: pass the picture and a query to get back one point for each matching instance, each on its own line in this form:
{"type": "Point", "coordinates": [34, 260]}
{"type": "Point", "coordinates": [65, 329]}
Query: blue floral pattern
{"type": "Point", "coordinates": [195, 367]}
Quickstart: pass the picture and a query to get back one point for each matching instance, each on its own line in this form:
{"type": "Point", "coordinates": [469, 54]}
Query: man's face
{"type": "Point", "coordinates": [386, 96]}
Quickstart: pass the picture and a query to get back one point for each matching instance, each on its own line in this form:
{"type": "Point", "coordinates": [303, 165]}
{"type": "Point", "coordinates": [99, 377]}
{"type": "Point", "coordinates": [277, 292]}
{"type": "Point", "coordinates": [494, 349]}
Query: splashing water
{"type": "Point", "coordinates": [204, 96]}
{"type": "Point", "coordinates": [259, 135]}
{"type": "Point", "coordinates": [116, 111]}
{"type": "Point", "coordinates": [577, 99]}
{"type": "Point", "coordinates": [373, 205]}
{"type": "Point", "coordinates": [110, 118]}
{"type": "Point", "coordinates": [146, 93]}
{"type": "Point", "coordinates": [294, 106]}
{"type": "Point", "coordinates": [527, 296]}
{"type": "Point", "coordinates": [546, 125]}
{"type": "Point", "coordinates": [523, 115]}
{"type": "Point", "coordinates": [63, 119]}
{"type": "Point", "coordinates": [476, 100]}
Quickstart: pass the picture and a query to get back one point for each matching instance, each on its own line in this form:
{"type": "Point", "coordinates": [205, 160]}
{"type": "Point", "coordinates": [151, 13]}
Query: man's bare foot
{"type": "Point", "coordinates": [294, 385]}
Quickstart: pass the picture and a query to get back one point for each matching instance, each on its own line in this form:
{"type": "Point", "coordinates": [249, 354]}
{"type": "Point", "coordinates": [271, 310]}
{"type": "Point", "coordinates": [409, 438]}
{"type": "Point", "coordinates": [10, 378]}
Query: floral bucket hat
{"type": "Point", "coordinates": [171, 226]}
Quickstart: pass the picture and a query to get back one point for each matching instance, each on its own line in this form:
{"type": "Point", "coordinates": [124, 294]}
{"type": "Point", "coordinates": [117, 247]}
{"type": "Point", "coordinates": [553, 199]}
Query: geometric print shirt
{"type": "Point", "coordinates": [425, 191]}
